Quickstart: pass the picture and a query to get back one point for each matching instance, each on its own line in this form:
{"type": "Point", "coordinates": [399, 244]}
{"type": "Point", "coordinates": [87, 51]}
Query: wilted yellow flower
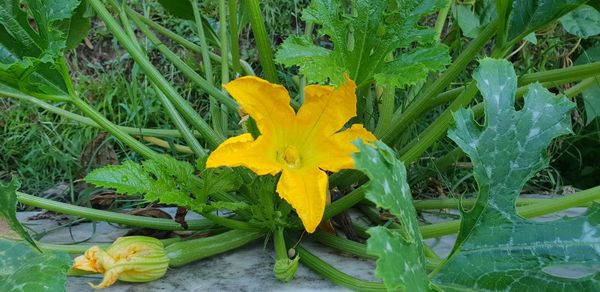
{"type": "Point", "coordinates": [130, 259]}
{"type": "Point", "coordinates": [301, 145]}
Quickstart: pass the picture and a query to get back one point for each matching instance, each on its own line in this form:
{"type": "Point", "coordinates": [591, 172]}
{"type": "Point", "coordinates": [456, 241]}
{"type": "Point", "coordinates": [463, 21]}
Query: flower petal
{"type": "Point", "coordinates": [268, 104]}
{"type": "Point", "coordinates": [258, 155]}
{"type": "Point", "coordinates": [305, 189]}
{"type": "Point", "coordinates": [337, 154]}
{"type": "Point", "coordinates": [326, 110]}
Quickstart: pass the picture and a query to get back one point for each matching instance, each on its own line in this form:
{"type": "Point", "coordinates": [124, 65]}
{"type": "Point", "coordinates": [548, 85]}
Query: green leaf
{"type": "Point", "coordinates": [169, 181]}
{"type": "Point", "coordinates": [591, 96]}
{"type": "Point", "coordinates": [497, 249]}
{"type": "Point", "coordinates": [408, 69]}
{"type": "Point", "coordinates": [582, 22]}
{"type": "Point", "coordinates": [528, 16]}
{"type": "Point", "coordinates": [77, 27]}
{"type": "Point", "coordinates": [22, 265]}
{"type": "Point", "coordinates": [10, 227]}
{"type": "Point", "coordinates": [178, 8]}
{"type": "Point", "coordinates": [361, 40]}
{"type": "Point", "coordinates": [23, 268]}
{"type": "Point", "coordinates": [27, 55]}
{"type": "Point", "coordinates": [401, 262]}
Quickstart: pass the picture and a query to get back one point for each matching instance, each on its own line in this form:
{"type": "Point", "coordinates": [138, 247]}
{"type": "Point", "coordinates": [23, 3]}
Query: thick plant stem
{"type": "Point", "coordinates": [234, 38]}
{"type": "Point", "coordinates": [344, 203]}
{"type": "Point", "coordinates": [156, 77]}
{"type": "Point", "coordinates": [436, 204]}
{"type": "Point", "coordinates": [89, 122]}
{"type": "Point", "coordinates": [453, 156]}
{"type": "Point", "coordinates": [413, 150]}
{"type": "Point", "coordinates": [279, 244]}
{"type": "Point", "coordinates": [81, 248]}
{"type": "Point", "coordinates": [349, 246]}
{"type": "Point", "coordinates": [184, 42]}
{"type": "Point", "coordinates": [185, 252]}
{"type": "Point", "coordinates": [112, 217]}
{"type": "Point", "coordinates": [441, 19]}
{"type": "Point", "coordinates": [360, 249]}
{"type": "Point", "coordinates": [573, 73]}
{"type": "Point", "coordinates": [230, 223]}
{"type": "Point", "coordinates": [224, 59]}
{"type": "Point", "coordinates": [107, 125]}
{"type": "Point", "coordinates": [528, 211]}
{"type": "Point", "coordinates": [187, 134]}
{"type": "Point", "coordinates": [185, 68]}
{"type": "Point", "coordinates": [261, 38]}
{"type": "Point", "coordinates": [336, 276]}
{"type": "Point", "coordinates": [215, 113]}
{"type": "Point", "coordinates": [173, 114]}
{"type": "Point", "coordinates": [402, 120]}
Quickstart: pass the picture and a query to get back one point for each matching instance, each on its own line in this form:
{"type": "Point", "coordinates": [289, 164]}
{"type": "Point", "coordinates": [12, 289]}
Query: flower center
{"type": "Point", "coordinates": [291, 156]}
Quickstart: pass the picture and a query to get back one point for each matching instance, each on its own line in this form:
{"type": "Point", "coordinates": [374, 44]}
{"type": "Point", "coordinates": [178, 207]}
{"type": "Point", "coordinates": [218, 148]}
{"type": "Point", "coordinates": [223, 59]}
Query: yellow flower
{"type": "Point", "coordinates": [130, 259]}
{"type": "Point", "coordinates": [301, 145]}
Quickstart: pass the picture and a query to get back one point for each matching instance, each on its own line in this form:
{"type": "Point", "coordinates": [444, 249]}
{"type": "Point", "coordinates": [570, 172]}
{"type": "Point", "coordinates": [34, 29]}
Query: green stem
{"type": "Point", "coordinates": [112, 217]}
{"type": "Point", "coordinates": [185, 252]}
{"type": "Point", "coordinates": [466, 203]}
{"type": "Point", "coordinates": [224, 58]}
{"type": "Point", "coordinates": [184, 42]}
{"type": "Point", "coordinates": [81, 248]}
{"type": "Point", "coordinates": [262, 40]}
{"type": "Point", "coordinates": [89, 122]}
{"type": "Point", "coordinates": [334, 275]}
{"type": "Point", "coordinates": [573, 73]}
{"type": "Point", "coordinates": [402, 120]}
{"type": "Point", "coordinates": [429, 136]}
{"type": "Point", "coordinates": [528, 211]}
{"type": "Point", "coordinates": [344, 203]}
{"type": "Point", "coordinates": [187, 134]}
{"type": "Point", "coordinates": [234, 37]}
{"type": "Point", "coordinates": [447, 160]}
{"type": "Point", "coordinates": [107, 125]}
{"type": "Point", "coordinates": [279, 243]}
{"type": "Point", "coordinates": [360, 249]}
{"type": "Point", "coordinates": [230, 223]}
{"type": "Point", "coordinates": [441, 19]}
{"type": "Point", "coordinates": [183, 67]}
{"type": "Point", "coordinates": [386, 107]}
{"type": "Point", "coordinates": [203, 43]}
{"type": "Point", "coordinates": [213, 138]}
{"type": "Point", "coordinates": [349, 246]}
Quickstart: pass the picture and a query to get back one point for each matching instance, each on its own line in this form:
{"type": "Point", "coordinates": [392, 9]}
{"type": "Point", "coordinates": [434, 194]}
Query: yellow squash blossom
{"type": "Point", "coordinates": [130, 259]}
{"type": "Point", "coordinates": [301, 145]}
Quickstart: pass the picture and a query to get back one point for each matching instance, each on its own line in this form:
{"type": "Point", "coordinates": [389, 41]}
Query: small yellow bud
{"type": "Point", "coordinates": [130, 259]}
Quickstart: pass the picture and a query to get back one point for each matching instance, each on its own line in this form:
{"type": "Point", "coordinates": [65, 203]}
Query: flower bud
{"type": "Point", "coordinates": [130, 259]}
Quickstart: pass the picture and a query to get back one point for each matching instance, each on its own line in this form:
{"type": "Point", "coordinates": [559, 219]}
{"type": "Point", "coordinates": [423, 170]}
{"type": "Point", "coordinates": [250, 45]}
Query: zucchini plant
{"type": "Point", "coordinates": [361, 77]}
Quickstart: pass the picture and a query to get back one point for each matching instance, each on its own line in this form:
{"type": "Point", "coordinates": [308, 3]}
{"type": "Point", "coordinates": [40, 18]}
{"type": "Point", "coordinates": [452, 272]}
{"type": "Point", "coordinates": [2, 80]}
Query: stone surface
{"type": "Point", "coordinates": [245, 269]}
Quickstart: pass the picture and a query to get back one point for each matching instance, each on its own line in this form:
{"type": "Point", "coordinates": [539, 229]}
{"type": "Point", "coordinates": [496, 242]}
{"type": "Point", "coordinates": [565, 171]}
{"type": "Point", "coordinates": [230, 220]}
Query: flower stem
{"type": "Point", "coordinates": [279, 243]}
{"type": "Point", "coordinates": [261, 38]}
{"type": "Point", "coordinates": [185, 252]}
{"type": "Point", "coordinates": [334, 275]}
{"type": "Point", "coordinates": [112, 217]}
